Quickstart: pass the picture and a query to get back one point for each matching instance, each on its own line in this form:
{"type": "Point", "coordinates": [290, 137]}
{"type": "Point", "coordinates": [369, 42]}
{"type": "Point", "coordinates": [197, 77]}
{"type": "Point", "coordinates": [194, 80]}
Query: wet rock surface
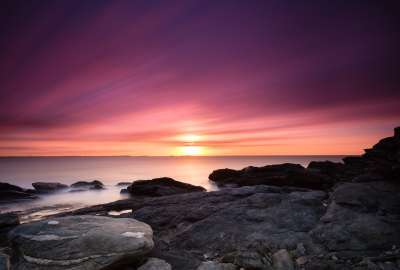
{"type": "Point", "coordinates": [161, 187]}
{"type": "Point", "coordinates": [79, 242]}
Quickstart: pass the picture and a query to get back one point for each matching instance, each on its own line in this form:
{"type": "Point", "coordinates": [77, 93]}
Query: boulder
{"type": "Point", "coordinates": [9, 193]}
{"type": "Point", "coordinates": [155, 264]}
{"type": "Point", "coordinates": [8, 220]}
{"type": "Point", "coordinates": [48, 187]}
{"type": "Point", "coordinates": [80, 243]}
{"type": "Point", "coordinates": [92, 185]}
{"type": "Point", "coordinates": [161, 187]}
{"type": "Point", "coordinates": [216, 266]}
{"type": "Point", "coordinates": [286, 174]}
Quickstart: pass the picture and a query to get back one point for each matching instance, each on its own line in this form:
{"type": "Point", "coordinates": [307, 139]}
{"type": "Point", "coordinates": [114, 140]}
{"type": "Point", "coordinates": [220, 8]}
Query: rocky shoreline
{"type": "Point", "coordinates": [326, 216]}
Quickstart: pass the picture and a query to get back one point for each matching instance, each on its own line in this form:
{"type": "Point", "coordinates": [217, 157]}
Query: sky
{"type": "Point", "coordinates": [271, 77]}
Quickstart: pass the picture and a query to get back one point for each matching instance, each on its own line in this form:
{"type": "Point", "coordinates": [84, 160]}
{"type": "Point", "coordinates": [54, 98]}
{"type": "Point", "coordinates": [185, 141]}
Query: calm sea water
{"type": "Point", "coordinates": [111, 170]}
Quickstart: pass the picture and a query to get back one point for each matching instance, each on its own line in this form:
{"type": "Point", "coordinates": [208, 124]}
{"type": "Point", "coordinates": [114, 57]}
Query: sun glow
{"type": "Point", "coordinates": [191, 150]}
{"type": "Point", "coordinates": [189, 138]}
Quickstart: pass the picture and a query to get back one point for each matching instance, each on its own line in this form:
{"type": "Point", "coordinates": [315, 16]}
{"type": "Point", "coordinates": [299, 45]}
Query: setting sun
{"type": "Point", "coordinates": [191, 150]}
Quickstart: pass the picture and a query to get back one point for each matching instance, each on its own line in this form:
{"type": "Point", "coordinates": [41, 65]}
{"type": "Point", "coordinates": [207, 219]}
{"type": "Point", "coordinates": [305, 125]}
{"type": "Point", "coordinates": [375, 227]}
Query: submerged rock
{"type": "Point", "coordinates": [286, 174]}
{"type": "Point", "coordinates": [80, 242]}
{"type": "Point", "coordinates": [93, 185]}
{"type": "Point", "coordinates": [161, 187]}
{"type": "Point", "coordinates": [47, 187]}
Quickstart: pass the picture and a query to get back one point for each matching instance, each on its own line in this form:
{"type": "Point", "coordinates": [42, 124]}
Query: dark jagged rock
{"type": "Point", "coordinates": [277, 175]}
{"type": "Point", "coordinates": [161, 187]}
{"type": "Point", "coordinates": [9, 193]}
{"type": "Point", "coordinates": [96, 184]}
{"type": "Point", "coordinates": [80, 243]}
{"type": "Point", "coordinates": [48, 187]}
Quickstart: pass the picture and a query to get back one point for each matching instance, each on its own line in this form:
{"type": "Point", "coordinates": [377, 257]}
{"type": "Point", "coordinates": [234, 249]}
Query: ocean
{"type": "Point", "coordinates": [23, 171]}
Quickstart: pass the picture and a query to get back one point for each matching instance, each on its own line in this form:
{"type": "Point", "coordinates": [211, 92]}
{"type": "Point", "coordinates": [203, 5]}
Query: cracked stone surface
{"type": "Point", "coordinates": [80, 242]}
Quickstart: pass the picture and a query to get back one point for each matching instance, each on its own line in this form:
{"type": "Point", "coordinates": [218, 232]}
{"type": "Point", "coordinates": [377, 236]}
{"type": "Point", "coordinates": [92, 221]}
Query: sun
{"type": "Point", "coordinates": [191, 150]}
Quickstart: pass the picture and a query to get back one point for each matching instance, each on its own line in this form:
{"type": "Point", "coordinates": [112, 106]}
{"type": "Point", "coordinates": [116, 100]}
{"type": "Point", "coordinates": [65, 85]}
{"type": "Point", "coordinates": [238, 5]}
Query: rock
{"type": "Point", "coordinates": [155, 264]}
{"type": "Point", "coordinates": [121, 184]}
{"type": "Point", "coordinates": [47, 187]}
{"type": "Point", "coordinates": [241, 225]}
{"type": "Point", "coordinates": [216, 266]}
{"type": "Point", "coordinates": [282, 260]}
{"type": "Point", "coordinates": [9, 187]}
{"type": "Point", "coordinates": [334, 170]}
{"type": "Point", "coordinates": [93, 185]}
{"type": "Point", "coordinates": [161, 187]}
{"type": "Point", "coordinates": [9, 193]}
{"type": "Point", "coordinates": [4, 262]}
{"type": "Point", "coordinates": [8, 220]}
{"type": "Point", "coordinates": [10, 196]}
{"type": "Point", "coordinates": [300, 249]}
{"type": "Point", "coordinates": [80, 242]}
{"type": "Point", "coordinates": [124, 191]}
{"type": "Point", "coordinates": [301, 260]}
{"type": "Point", "coordinates": [276, 175]}
{"type": "Point", "coordinates": [361, 218]}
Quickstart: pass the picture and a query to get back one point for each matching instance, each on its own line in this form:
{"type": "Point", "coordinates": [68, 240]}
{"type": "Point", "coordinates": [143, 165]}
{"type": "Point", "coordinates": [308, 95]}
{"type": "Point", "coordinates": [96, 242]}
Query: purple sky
{"type": "Point", "coordinates": [228, 77]}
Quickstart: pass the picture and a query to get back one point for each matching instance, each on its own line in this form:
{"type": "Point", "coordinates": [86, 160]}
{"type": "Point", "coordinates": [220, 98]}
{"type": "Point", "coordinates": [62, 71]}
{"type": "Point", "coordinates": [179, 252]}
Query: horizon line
{"type": "Point", "coordinates": [288, 155]}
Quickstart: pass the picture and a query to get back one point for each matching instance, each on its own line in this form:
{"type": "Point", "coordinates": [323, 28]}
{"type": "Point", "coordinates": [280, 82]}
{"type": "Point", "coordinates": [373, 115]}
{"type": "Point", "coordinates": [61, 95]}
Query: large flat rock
{"type": "Point", "coordinates": [161, 187]}
{"type": "Point", "coordinates": [80, 242]}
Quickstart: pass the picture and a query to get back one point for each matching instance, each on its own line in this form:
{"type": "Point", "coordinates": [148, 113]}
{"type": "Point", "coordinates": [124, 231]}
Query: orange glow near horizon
{"type": "Point", "coordinates": [191, 151]}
